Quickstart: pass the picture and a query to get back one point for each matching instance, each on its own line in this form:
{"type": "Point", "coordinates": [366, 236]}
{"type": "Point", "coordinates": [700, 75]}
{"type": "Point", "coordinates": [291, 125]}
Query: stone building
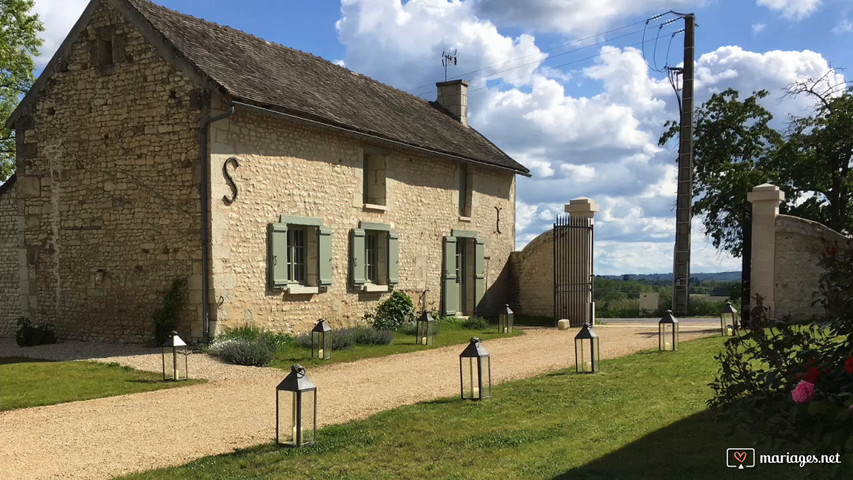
{"type": "Point", "coordinates": [282, 187]}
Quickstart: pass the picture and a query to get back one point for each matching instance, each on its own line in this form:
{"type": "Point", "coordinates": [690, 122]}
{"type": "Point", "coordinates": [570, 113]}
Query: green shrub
{"type": "Point", "coordinates": [250, 332]}
{"type": "Point", "coordinates": [166, 317]}
{"type": "Point", "coordinates": [248, 345]}
{"type": "Point", "coordinates": [620, 308]}
{"type": "Point", "coordinates": [475, 323]}
{"type": "Point", "coordinates": [394, 312]}
{"type": "Point", "coordinates": [708, 308]}
{"type": "Point", "coordinates": [347, 337]}
{"type": "Point", "coordinates": [241, 351]}
{"type": "Point", "coordinates": [29, 335]}
{"type": "Point", "coordinates": [371, 336]}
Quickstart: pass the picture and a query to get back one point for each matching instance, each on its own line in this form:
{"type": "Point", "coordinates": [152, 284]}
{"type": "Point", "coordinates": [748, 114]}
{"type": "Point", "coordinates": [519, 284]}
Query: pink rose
{"type": "Point", "coordinates": [804, 392]}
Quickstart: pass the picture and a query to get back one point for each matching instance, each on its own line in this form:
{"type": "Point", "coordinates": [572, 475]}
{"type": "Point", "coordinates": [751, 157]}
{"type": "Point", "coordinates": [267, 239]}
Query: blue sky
{"type": "Point", "coordinates": [583, 110]}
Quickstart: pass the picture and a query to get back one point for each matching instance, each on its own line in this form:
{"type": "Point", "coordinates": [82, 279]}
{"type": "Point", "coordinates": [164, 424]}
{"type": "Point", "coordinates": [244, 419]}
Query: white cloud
{"type": "Point", "coordinates": [575, 17]}
{"type": "Point", "coordinates": [758, 28]}
{"type": "Point", "coordinates": [601, 145]}
{"type": "Point", "coordinates": [792, 9]}
{"type": "Point", "coordinates": [58, 18]}
{"type": "Point", "coordinates": [844, 26]}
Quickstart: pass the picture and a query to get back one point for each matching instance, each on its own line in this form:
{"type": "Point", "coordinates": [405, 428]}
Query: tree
{"type": "Point", "coordinates": [732, 150]}
{"type": "Point", "coordinates": [735, 149]}
{"type": "Point", "coordinates": [19, 42]}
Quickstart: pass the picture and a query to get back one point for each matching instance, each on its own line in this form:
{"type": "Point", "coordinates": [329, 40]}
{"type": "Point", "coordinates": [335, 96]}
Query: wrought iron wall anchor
{"type": "Point", "coordinates": [498, 221]}
{"type": "Point", "coordinates": [230, 180]}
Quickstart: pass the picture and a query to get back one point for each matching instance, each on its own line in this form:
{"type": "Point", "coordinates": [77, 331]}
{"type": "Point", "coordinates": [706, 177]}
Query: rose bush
{"type": "Point", "coordinates": [791, 380]}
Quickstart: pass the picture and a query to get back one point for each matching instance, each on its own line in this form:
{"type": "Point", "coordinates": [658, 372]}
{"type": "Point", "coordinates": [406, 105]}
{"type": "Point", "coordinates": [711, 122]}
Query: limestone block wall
{"type": "Point", "coordinates": [108, 176]}
{"type": "Point", "coordinates": [800, 244]}
{"type": "Point", "coordinates": [10, 303]}
{"type": "Point", "coordinates": [533, 277]}
{"type": "Point", "coordinates": [291, 168]}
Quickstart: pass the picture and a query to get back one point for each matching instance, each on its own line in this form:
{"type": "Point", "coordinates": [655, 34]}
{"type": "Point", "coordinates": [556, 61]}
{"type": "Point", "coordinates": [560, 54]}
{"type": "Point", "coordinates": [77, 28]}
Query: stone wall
{"type": "Point", "coordinates": [287, 167]}
{"type": "Point", "coordinates": [800, 244]}
{"type": "Point", "coordinates": [10, 294]}
{"type": "Point", "coordinates": [533, 277]}
{"type": "Point", "coordinates": [108, 178]}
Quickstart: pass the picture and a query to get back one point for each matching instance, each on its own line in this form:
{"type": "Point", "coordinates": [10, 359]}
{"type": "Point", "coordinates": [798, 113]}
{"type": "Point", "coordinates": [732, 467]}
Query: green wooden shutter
{"type": "Point", "coordinates": [358, 258]}
{"type": "Point", "coordinates": [393, 258]}
{"type": "Point", "coordinates": [278, 255]}
{"type": "Point", "coordinates": [479, 271]}
{"type": "Point", "coordinates": [450, 289]}
{"type": "Point", "coordinates": [324, 255]}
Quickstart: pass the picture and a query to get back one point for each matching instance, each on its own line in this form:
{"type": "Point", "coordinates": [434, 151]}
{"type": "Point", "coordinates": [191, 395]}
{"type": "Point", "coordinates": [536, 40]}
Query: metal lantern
{"type": "Point", "coordinates": [174, 358]}
{"type": "Point", "coordinates": [426, 329]}
{"type": "Point", "coordinates": [505, 319]}
{"type": "Point", "coordinates": [668, 332]}
{"type": "Point", "coordinates": [475, 372]}
{"type": "Point", "coordinates": [587, 352]}
{"type": "Point", "coordinates": [321, 341]}
{"type": "Point", "coordinates": [728, 320]}
{"type": "Point", "coordinates": [296, 409]}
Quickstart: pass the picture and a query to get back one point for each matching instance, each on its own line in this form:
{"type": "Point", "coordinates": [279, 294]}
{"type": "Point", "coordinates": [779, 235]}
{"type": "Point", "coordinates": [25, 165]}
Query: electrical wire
{"type": "Point", "coordinates": [420, 88]}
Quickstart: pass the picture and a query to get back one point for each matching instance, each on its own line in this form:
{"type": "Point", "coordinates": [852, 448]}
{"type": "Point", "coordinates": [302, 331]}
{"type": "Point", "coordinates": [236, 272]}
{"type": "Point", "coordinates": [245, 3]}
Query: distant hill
{"type": "Point", "coordinates": [667, 277]}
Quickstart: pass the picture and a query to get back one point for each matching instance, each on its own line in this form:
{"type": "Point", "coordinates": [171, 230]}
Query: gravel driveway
{"type": "Point", "coordinates": [105, 437]}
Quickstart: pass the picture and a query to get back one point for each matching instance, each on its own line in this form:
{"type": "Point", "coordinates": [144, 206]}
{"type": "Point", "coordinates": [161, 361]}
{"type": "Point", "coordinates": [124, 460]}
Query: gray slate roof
{"type": "Point", "coordinates": [253, 70]}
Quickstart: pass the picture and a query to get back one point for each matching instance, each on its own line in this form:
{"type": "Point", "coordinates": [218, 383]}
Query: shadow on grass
{"type": "Point", "coordinates": [11, 360]}
{"type": "Point", "coordinates": [693, 448]}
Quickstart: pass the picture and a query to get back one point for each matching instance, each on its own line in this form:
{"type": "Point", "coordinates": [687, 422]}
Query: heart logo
{"type": "Point", "coordinates": [740, 456]}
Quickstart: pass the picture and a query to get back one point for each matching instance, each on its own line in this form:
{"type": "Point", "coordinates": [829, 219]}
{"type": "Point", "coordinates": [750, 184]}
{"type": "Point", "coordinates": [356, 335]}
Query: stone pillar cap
{"type": "Point", "coordinates": [581, 205]}
{"type": "Point", "coordinates": [764, 193]}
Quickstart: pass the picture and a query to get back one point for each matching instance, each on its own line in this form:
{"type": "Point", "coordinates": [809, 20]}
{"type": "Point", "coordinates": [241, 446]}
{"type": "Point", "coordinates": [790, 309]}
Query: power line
{"type": "Point", "coordinates": [570, 63]}
{"type": "Point", "coordinates": [420, 88]}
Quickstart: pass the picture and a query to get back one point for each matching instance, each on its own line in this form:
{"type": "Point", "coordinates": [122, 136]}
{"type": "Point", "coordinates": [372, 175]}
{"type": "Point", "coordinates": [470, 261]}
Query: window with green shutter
{"type": "Point", "coordinates": [300, 254]}
{"type": "Point", "coordinates": [375, 257]}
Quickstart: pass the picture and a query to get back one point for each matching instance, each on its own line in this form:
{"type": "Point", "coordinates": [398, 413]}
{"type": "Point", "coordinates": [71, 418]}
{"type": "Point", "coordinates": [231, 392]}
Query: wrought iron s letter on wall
{"type": "Point", "coordinates": [230, 180]}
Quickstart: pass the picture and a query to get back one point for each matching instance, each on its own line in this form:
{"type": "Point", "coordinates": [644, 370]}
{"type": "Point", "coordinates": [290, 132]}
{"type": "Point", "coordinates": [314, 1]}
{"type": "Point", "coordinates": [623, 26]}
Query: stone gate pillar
{"type": "Point", "coordinates": [583, 207]}
{"type": "Point", "coordinates": [765, 201]}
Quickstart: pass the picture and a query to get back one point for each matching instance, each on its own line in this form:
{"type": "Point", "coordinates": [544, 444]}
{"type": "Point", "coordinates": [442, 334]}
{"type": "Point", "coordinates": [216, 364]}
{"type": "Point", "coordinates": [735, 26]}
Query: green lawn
{"type": "Point", "coordinates": [450, 333]}
{"type": "Point", "coordinates": [25, 382]}
{"type": "Point", "coordinates": [642, 417]}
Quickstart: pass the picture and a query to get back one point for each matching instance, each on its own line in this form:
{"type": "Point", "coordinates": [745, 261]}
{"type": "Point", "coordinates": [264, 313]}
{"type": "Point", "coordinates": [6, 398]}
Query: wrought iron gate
{"type": "Point", "coordinates": [746, 265]}
{"type": "Point", "coordinates": [573, 271]}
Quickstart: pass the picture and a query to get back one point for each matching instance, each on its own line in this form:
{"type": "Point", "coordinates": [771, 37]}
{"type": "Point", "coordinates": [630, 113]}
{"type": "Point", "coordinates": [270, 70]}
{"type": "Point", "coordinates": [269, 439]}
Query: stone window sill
{"type": "Point", "coordinates": [301, 290]}
{"type": "Point", "coordinates": [375, 208]}
{"type": "Point", "coordinates": [371, 288]}
{"type": "Point", "coordinates": [464, 219]}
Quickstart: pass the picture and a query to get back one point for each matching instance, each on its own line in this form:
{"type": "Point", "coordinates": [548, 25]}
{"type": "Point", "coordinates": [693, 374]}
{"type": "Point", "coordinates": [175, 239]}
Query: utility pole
{"type": "Point", "coordinates": [684, 198]}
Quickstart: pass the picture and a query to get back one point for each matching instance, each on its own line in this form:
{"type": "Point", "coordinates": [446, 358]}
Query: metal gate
{"type": "Point", "coordinates": [573, 272]}
{"type": "Point", "coordinates": [746, 265]}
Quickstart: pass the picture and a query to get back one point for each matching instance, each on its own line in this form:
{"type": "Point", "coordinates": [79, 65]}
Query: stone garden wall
{"type": "Point", "coordinates": [800, 245]}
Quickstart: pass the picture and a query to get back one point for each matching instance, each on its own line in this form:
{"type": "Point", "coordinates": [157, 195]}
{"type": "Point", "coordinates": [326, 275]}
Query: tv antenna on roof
{"type": "Point", "coordinates": [448, 58]}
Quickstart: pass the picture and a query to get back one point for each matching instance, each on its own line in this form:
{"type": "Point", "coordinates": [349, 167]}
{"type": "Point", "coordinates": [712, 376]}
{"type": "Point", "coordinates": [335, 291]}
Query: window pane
{"type": "Point", "coordinates": [463, 189]}
{"type": "Point", "coordinates": [371, 242]}
{"type": "Point", "coordinates": [296, 253]}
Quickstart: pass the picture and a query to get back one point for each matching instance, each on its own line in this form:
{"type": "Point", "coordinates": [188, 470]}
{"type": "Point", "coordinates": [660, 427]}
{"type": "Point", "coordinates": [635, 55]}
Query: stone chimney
{"type": "Point", "coordinates": [453, 97]}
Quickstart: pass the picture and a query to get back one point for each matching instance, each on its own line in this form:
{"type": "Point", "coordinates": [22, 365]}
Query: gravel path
{"type": "Point", "coordinates": [105, 437]}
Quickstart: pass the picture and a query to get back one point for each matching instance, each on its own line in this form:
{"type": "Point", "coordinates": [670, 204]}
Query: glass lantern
{"type": "Point", "coordinates": [475, 372]}
{"type": "Point", "coordinates": [505, 319]}
{"type": "Point", "coordinates": [668, 333]}
{"type": "Point", "coordinates": [321, 341]}
{"type": "Point", "coordinates": [587, 353]}
{"type": "Point", "coordinates": [426, 329]}
{"type": "Point", "coordinates": [174, 358]}
{"type": "Point", "coordinates": [728, 320]}
{"type": "Point", "coordinates": [296, 410]}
